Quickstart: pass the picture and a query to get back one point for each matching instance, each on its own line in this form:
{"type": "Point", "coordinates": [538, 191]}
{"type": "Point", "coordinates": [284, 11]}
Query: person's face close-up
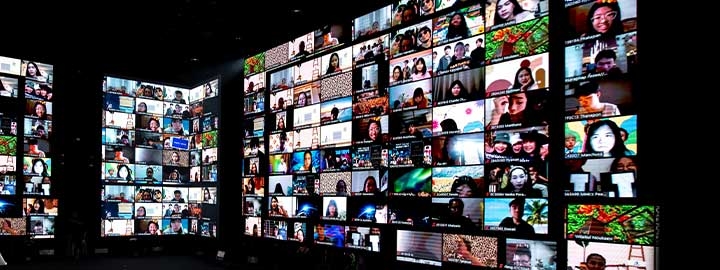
{"type": "Point", "coordinates": [517, 211]}
{"type": "Point", "coordinates": [177, 125]}
{"type": "Point", "coordinates": [464, 191]}
{"type": "Point", "coordinates": [517, 103]}
{"type": "Point", "coordinates": [604, 64]}
{"type": "Point", "coordinates": [175, 225]}
{"type": "Point", "coordinates": [370, 186]}
{"type": "Point", "coordinates": [123, 172]}
{"type": "Point", "coordinates": [396, 74]}
{"type": "Point", "coordinates": [456, 20]}
{"type": "Point", "coordinates": [405, 45]}
{"type": "Point", "coordinates": [38, 167]}
{"type": "Point", "coordinates": [332, 209]}
{"type": "Point", "coordinates": [524, 76]}
{"type": "Point", "coordinates": [36, 205]}
{"type": "Point", "coordinates": [518, 178]}
{"type": "Point", "coordinates": [521, 260]}
{"type": "Point", "coordinates": [175, 156]}
{"type": "Point", "coordinates": [153, 125]}
{"type": "Point", "coordinates": [603, 140]}
{"type": "Point", "coordinates": [32, 71]}
{"type": "Point", "coordinates": [424, 36]}
{"type": "Point", "coordinates": [625, 164]}
{"type": "Point", "coordinates": [274, 203]}
{"type": "Point", "coordinates": [529, 146]}
{"type": "Point", "coordinates": [505, 9]}
{"type": "Point", "coordinates": [455, 207]}
{"type": "Point", "coordinates": [341, 187]}
{"type": "Point", "coordinates": [459, 52]}
{"type": "Point", "coordinates": [178, 95]}
{"type": "Point", "coordinates": [428, 5]}
{"type": "Point", "coordinates": [456, 90]}
{"type": "Point", "coordinates": [39, 110]}
{"type": "Point", "coordinates": [419, 65]}
{"type": "Point", "coordinates": [407, 15]}
{"type": "Point", "coordinates": [141, 212]}
{"type": "Point", "coordinates": [500, 147]}
{"type": "Point", "coordinates": [334, 61]}
{"type": "Point", "coordinates": [308, 161]}
{"type": "Point", "coordinates": [602, 19]}
{"type": "Point", "coordinates": [373, 131]}
{"type": "Point", "coordinates": [588, 100]}
{"type": "Point", "coordinates": [570, 142]}
{"type": "Point", "coordinates": [301, 100]}
{"type": "Point", "coordinates": [595, 263]}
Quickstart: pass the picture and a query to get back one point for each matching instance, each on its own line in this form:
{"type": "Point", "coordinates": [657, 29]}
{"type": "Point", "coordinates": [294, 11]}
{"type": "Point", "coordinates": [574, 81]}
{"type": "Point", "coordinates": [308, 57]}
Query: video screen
{"type": "Point", "coordinates": [331, 235]}
{"type": "Point", "coordinates": [336, 110]}
{"type": "Point", "coordinates": [460, 55]}
{"type": "Point", "coordinates": [530, 73]}
{"type": "Point", "coordinates": [594, 99]}
{"type": "Point", "coordinates": [366, 238]}
{"type": "Point", "coordinates": [501, 13]}
{"type": "Point", "coordinates": [625, 224]}
{"type": "Point", "coordinates": [9, 124]}
{"type": "Point", "coordinates": [366, 80]}
{"type": "Point", "coordinates": [336, 135]}
{"type": "Point", "coordinates": [372, 51]}
{"type": "Point", "coordinates": [299, 230]}
{"type": "Point", "coordinates": [13, 226]}
{"type": "Point", "coordinates": [532, 39]}
{"type": "Point", "coordinates": [459, 149]}
{"type": "Point", "coordinates": [37, 71]}
{"type": "Point", "coordinates": [369, 156]}
{"type": "Point", "coordinates": [305, 116]}
{"type": "Point", "coordinates": [306, 94]}
{"type": "Point", "coordinates": [306, 184]}
{"type": "Point", "coordinates": [336, 86]}
{"type": "Point", "coordinates": [276, 56]}
{"type": "Point", "coordinates": [458, 181]}
{"type": "Point", "coordinates": [9, 87]}
{"type": "Point", "coordinates": [525, 145]}
{"type": "Point", "coordinates": [370, 103]}
{"type": "Point", "coordinates": [464, 213]}
{"type": "Point", "coordinates": [10, 65]}
{"type": "Point", "coordinates": [330, 36]}
{"type": "Point", "coordinates": [252, 206]}
{"type": "Point", "coordinates": [601, 58]}
{"type": "Point", "coordinates": [405, 210]}
{"type": "Point", "coordinates": [253, 185]}
{"type": "Point", "coordinates": [459, 87]}
{"type": "Point", "coordinates": [255, 83]}
{"type": "Point", "coordinates": [307, 161]}
{"type": "Point", "coordinates": [34, 185]}
{"type": "Point", "coordinates": [411, 67]}
{"type": "Point", "coordinates": [373, 130]}
{"type": "Point", "coordinates": [416, 124]}
{"type": "Point", "coordinates": [604, 137]}
{"type": "Point", "coordinates": [458, 118]}
{"type": "Point", "coordinates": [333, 208]}
{"type": "Point", "coordinates": [34, 90]}
{"type": "Point", "coordinates": [335, 184]}
{"type": "Point", "coordinates": [410, 96]}
{"type": "Point", "coordinates": [254, 64]}
{"type": "Point", "coordinates": [41, 110]}
{"type": "Point", "coordinates": [611, 255]}
{"type": "Point", "coordinates": [9, 145]}
{"type": "Point", "coordinates": [368, 209]}
{"type": "Point", "coordinates": [520, 109]}
{"type": "Point", "coordinates": [254, 103]}
{"type": "Point", "coordinates": [470, 249]}
{"type": "Point", "coordinates": [602, 20]}
{"type": "Point", "coordinates": [462, 24]}
{"type": "Point", "coordinates": [522, 216]}
{"type": "Point", "coordinates": [301, 47]}
{"type": "Point", "coordinates": [253, 226]}
{"type": "Point", "coordinates": [419, 247]}
{"type": "Point", "coordinates": [608, 177]}
{"type": "Point", "coordinates": [159, 154]}
{"type": "Point", "coordinates": [411, 39]}
{"type": "Point", "coordinates": [14, 207]}
{"type": "Point", "coordinates": [335, 159]}
{"type": "Point", "coordinates": [372, 23]}
{"type": "Point", "coordinates": [43, 226]}
{"type": "Point", "coordinates": [521, 179]}
{"type": "Point", "coordinates": [523, 254]}
{"type": "Point", "coordinates": [281, 100]}
{"type": "Point", "coordinates": [255, 146]}
{"type": "Point", "coordinates": [279, 164]}
{"type": "Point", "coordinates": [411, 182]}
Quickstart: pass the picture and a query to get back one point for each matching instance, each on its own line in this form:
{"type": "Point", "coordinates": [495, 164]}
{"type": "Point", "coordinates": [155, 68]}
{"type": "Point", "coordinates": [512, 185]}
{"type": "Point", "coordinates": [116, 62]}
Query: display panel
{"type": "Point", "coordinates": [159, 170]}
{"type": "Point", "coordinates": [29, 201]}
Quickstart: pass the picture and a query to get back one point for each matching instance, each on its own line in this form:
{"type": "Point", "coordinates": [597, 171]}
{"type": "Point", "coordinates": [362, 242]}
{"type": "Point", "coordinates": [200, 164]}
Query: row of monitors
{"type": "Point", "coordinates": [152, 92]}
{"type": "Point", "coordinates": [140, 211]}
{"type": "Point", "coordinates": [40, 73]}
{"type": "Point", "coordinates": [158, 226]}
{"type": "Point", "coordinates": [157, 108]}
{"type": "Point", "coordinates": [505, 103]}
{"type": "Point", "coordinates": [148, 156]}
{"type": "Point", "coordinates": [32, 167]}
{"type": "Point", "coordinates": [156, 174]}
{"type": "Point", "coordinates": [32, 147]}
{"type": "Point", "coordinates": [35, 90]}
{"type": "Point", "coordinates": [155, 194]}
{"type": "Point", "coordinates": [626, 224]}
{"type": "Point", "coordinates": [153, 126]}
{"type": "Point", "coordinates": [35, 226]}
{"type": "Point", "coordinates": [12, 206]}
{"type": "Point", "coordinates": [32, 185]}
{"type": "Point", "coordinates": [32, 128]}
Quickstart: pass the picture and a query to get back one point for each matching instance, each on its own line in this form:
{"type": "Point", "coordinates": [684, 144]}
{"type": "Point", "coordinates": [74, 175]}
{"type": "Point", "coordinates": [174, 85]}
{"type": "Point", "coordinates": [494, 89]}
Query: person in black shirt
{"type": "Point", "coordinates": [517, 210]}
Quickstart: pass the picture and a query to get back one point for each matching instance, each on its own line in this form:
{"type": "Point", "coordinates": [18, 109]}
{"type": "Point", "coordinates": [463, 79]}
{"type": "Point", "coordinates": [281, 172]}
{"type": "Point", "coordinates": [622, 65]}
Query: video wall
{"type": "Point", "coordinates": [429, 121]}
{"type": "Point", "coordinates": [28, 197]}
{"type": "Point", "coordinates": [160, 157]}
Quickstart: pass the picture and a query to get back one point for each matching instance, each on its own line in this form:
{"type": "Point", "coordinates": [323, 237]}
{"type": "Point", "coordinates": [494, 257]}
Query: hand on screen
{"type": "Point", "coordinates": [501, 104]}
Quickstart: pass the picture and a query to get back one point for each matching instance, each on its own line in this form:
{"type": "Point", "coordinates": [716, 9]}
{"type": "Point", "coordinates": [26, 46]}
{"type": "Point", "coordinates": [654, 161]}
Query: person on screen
{"type": "Point", "coordinates": [178, 98]}
{"type": "Point", "coordinates": [329, 40]}
{"type": "Point", "coordinates": [276, 209]}
{"type": "Point", "coordinates": [278, 190]}
{"type": "Point", "coordinates": [125, 140]}
{"type": "Point", "coordinates": [517, 210]}
{"type": "Point", "coordinates": [40, 110]}
{"type": "Point", "coordinates": [603, 137]}
{"type": "Point", "coordinates": [458, 59]}
{"type": "Point", "coordinates": [410, 12]}
{"type": "Point", "coordinates": [511, 11]}
{"type": "Point", "coordinates": [477, 56]}
{"type": "Point", "coordinates": [141, 108]}
{"type": "Point", "coordinates": [605, 62]}
{"type": "Point", "coordinates": [465, 187]}
{"type": "Point", "coordinates": [255, 231]}
{"type": "Point", "coordinates": [302, 99]}
{"type": "Point", "coordinates": [207, 196]}
{"type": "Point", "coordinates": [455, 215]}
{"type": "Point", "coordinates": [300, 235]}
{"type": "Point", "coordinates": [176, 127]}
{"type": "Point", "coordinates": [594, 261]}
{"type": "Point", "coordinates": [571, 145]}
{"type": "Point", "coordinates": [457, 28]}
{"type": "Point", "coordinates": [3, 191]}
{"type": "Point", "coordinates": [523, 78]}
{"type": "Point", "coordinates": [175, 227]}
{"type": "Point", "coordinates": [418, 100]}
{"type": "Point", "coordinates": [38, 207]}
{"type": "Point", "coordinates": [333, 64]}
{"type": "Point", "coordinates": [421, 70]}
{"type": "Point", "coordinates": [308, 162]}
{"type": "Point", "coordinates": [174, 158]}
{"type": "Point", "coordinates": [539, 182]}
{"type": "Point", "coordinates": [33, 149]}
{"type": "Point", "coordinates": [153, 228]}
{"type": "Point", "coordinates": [397, 75]}
{"type": "Point", "coordinates": [124, 173]}
{"type": "Point", "coordinates": [280, 123]}
{"type": "Point", "coordinates": [177, 197]}
{"type": "Point", "coordinates": [153, 124]}
{"type": "Point", "coordinates": [424, 38]}
{"type": "Point", "coordinates": [604, 18]}
{"type": "Point", "coordinates": [301, 50]}
{"type": "Point", "coordinates": [588, 96]}
{"type": "Point", "coordinates": [456, 92]}
{"type": "Point", "coordinates": [341, 188]}
{"type": "Point", "coordinates": [39, 167]}
{"type": "Point", "coordinates": [39, 228]}
{"type": "Point", "coordinates": [120, 156]}
{"type": "Point", "coordinates": [40, 132]}
{"type": "Point", "coordinates": [7, 228]}
{"type": "Point", "coordinates": [332, 209]}
{"type": "Point", "coordinates": [373, 131]}
{"type": "Point", "coordinates": [32, 71]}
{"type": "Point", "coordinates": [522, 258]}
{"type": "Point", "coordinates": [207, 88]}
{"type": "Point", "coordinates": [370, 185]}
{"type": "Point", "coordinates": [501, 145]}
{"type": "Point", "coordinates": [444, 61]}
{"type": "Point", "coordinates": [140, 212]}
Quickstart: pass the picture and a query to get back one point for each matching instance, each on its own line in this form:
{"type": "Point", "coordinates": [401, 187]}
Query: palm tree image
{"type": "Point", "coordinates": [537, 212]}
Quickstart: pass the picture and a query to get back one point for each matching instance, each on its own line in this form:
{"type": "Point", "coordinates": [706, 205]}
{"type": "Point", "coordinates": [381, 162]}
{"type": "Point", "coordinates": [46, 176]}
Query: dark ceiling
{"type": "Point", "coordinates": [167, 34]}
